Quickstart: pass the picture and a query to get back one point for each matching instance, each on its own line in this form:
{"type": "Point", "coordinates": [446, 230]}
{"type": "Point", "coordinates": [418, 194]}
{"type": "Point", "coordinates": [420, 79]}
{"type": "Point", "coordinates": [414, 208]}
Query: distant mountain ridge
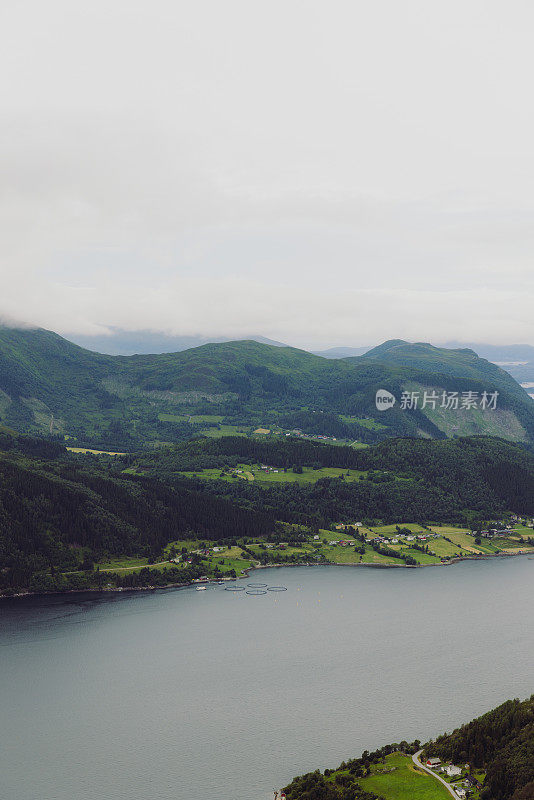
{"type": "Point", "coordinates": [145, 342]}
{"type": "Point", "coordinates": [518, 359]}
{"type": "Point", "coordinates": [342, 352]}
{"type": "Point", "coordinates": [49, 385]}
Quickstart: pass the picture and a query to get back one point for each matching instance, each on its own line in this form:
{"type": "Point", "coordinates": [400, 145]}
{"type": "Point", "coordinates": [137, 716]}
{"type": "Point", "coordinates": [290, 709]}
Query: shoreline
{"type": "Point", "coordinates": [196, 582]}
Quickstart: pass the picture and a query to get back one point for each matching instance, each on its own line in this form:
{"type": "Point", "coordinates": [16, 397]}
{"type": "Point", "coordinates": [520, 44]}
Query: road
{"type": "Point", "coordinates": [415, 759]}
{"type": "Point", "coordinates": [122, 569]}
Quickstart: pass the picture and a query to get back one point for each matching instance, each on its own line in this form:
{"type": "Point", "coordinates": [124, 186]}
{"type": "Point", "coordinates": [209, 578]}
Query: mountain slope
{"type": "Point", "coordinates": [462, 363]}
{"type": "Point", "coordinates": [462, 370]}
{"type": "Point", "coordinates": [49, 385]}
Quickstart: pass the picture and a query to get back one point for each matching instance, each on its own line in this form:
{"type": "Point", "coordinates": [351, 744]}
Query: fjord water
{"type": "Point", "coordinates": [222, 696]}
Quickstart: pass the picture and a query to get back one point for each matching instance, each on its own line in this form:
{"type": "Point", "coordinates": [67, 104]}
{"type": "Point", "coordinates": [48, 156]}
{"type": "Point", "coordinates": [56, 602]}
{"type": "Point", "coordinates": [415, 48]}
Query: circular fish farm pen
{"type": "Point", "coordinates": [255, 589]}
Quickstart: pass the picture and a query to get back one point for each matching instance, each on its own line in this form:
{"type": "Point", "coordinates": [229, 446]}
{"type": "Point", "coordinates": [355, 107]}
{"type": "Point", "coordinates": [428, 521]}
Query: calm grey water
{"type": "Point", "coordinates": [220, 696]}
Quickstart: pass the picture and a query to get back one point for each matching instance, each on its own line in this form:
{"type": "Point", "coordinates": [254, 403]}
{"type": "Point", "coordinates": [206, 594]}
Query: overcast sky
{"type": "Point", "coordinates": [320, 173]}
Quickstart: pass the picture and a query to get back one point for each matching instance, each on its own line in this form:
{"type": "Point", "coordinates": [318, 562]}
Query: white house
{"type": "Point", "coordinates": [460, 791]}
{"type": "Point", "coordinates": [453, 771]}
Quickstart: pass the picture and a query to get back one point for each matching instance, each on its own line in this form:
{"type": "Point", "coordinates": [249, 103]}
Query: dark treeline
{"type": "Point", "coordinates": [470, 468]}
{"type": "Point", "coordinates": [56, 513]}
{"type": "Point", "coordinates": [52, 581]}
{"type": "Point", "coordinates": [502, 743]}
{"type": "Point", "coordinates": [458, 480]}
{"type": "Point", "coordinates": [333, 499]}
{"type": "Point", "coordinates": [315, 786]}
{"type": "Point", "coordinates": [342, 783]}
{"type": "Point", "coordinates": [279, 452]}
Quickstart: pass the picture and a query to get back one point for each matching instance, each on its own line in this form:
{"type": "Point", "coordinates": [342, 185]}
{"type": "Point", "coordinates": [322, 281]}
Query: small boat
{"type": "Point", "coordinates": [201, 588]}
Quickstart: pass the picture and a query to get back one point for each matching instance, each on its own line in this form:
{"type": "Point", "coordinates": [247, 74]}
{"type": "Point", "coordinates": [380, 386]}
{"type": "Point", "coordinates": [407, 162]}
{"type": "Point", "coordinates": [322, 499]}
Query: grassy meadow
{"type": "Point", "coordinates": [396, 778]}
{"type": "Point", "coordinates": [331, 547]}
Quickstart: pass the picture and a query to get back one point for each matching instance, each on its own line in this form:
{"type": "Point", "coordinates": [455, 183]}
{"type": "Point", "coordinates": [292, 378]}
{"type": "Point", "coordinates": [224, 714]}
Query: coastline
{"type": "Point", "coordinates": [245, 574]}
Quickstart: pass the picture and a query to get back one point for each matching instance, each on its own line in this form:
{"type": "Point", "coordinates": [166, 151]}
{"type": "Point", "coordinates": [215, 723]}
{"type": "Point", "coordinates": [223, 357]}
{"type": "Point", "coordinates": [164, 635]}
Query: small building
{"type": "Point", "coordinates": [433, 763]}
{"type": "Point", "coordinates": [460, 791]}
{"type": "Point", "coordinates": [474, 782]}
{"type": "Point", "coordinates": [453, 771]}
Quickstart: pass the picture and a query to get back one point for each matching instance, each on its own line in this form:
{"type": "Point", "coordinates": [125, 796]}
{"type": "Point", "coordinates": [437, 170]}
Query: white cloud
{"type": "Point", "coordinates": [319, 173]}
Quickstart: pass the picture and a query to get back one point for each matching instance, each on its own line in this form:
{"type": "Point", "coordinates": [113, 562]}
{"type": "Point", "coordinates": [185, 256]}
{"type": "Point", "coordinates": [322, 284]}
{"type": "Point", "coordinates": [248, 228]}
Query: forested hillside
{"type": "Point", "coordinates": [454, 480]}
{"type": "Point", "coordinates": [58, 509]}
{"type": "Point", "coordinates": [502, 744]}
{"type": "Point", "coordinates": [56, 513]}
{"type": "Point", "coordinates": [49, 386]}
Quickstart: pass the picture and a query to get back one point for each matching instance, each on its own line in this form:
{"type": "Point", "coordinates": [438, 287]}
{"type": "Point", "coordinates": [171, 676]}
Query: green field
{"type": "Point", "coordinates": [126, 562]}
{"type": "Point", "coordinates": [226, 430]}
{"type": "Point", "coordinates": [453, 541]}
{"type": "Point", "coordinates": [346, 555]}
{"type": "Point", "coordinates": [194, 419]}
{"type": "Point", "coordinates": [396, 778]}
{"type": "Point", "coordinates": [370, 424]}
{"type": "Point", "coordinates": [391, 530]}
{"type": "Point", "coordinates": [94, 452]}
{"type": "Point", "coordinates": [277, 475]}
{"type": "Point", "coordinates": [316, 550]}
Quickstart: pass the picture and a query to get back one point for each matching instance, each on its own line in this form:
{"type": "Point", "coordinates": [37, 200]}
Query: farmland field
{"type": "Point", "coordinates": [94, 452]}
{"type": "Point", "coordinates": [277, 475]}
{"type": "Point", "coordinates": [403, 782]}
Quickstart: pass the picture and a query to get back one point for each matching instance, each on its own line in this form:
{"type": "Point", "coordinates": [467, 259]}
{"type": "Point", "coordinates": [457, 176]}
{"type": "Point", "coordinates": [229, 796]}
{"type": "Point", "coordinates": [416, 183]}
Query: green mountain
{"type": "Point", "coordinates": [422, 356]}
{"type": "Point", "coordinates": [51, 386]}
